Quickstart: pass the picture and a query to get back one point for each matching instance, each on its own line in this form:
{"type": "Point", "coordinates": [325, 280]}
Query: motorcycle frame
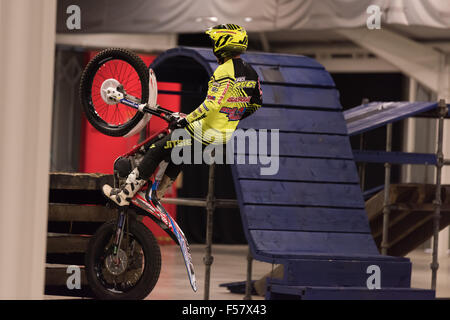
{"type": "Point", "coordinates": [140, 202]}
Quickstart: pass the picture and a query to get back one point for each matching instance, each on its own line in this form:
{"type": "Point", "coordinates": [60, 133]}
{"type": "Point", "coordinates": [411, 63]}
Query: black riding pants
{"type": "Point", "coordinates": [161, 150]}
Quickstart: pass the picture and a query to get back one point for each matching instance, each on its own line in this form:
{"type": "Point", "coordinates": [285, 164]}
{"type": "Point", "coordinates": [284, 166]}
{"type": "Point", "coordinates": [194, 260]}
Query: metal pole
{"type": "Point", "coordinates": [191, 202]}
{"type": "Point", "coordinates": [362, 166]}
{"type": "Point", "coordinates": [248, 284]}
{"type": "Point", "coordinates": [387, 184]}
{"type": "Point", "coordinates": [210, 205]}
{"type": "Point", "coordinates": [442, 111]}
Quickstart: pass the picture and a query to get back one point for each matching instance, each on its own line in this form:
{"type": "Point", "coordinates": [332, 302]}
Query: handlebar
{"type": "Point", "coordinates": [160, 112]}
{"type": "Point", "coordinates": [133, 102]}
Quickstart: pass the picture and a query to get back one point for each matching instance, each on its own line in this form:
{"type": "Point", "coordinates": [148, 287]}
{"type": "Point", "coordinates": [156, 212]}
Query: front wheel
{"type": "Point", "coordinates": [113, 68]}
{"type": "Point", "coordinates": [134, 274]}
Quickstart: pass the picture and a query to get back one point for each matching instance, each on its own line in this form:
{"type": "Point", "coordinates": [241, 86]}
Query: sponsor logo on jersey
{"type": "Point", "coordinates": [245, 84]}
{"type": "Point", "coordinates": [180, 143]}
{"type": "Point", "coordinates": [233, 114]}
{"type": "Point", "coordinates": [239, 99]}
{"type": "Point", "coordinates": [224, 93]}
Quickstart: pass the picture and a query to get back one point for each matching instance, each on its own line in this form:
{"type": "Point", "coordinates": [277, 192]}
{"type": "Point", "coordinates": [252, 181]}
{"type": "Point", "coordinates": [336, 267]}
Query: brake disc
{"type": "Point", "coordinates": [116, 265]}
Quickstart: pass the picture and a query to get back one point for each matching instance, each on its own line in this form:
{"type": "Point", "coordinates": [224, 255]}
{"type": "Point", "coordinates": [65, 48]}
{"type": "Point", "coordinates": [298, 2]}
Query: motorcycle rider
{"type": "Point", "coordinates": [234, 93]}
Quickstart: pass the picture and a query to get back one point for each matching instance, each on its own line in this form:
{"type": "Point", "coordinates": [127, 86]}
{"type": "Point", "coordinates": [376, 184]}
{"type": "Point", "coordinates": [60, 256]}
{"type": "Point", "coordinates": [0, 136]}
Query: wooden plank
{"type": "Point", "coordinates": [280, 60]}
{"type": "Point", "coordinates": [304, 169]}
{"type": "Point", "coordinates": [315, 98]}
{"type": "Point", "coordinates": [57, 276]}
{"type": "Point", "coordinates": [374, 206]}
{"type": "Point", "coordinates": [401, 212]}
{"type": "Point", "coordinates": [400, 231]}
{"type": "Point", "coordinates": [418, 236]}
{"type": "Point", "coordinates": [314, 242]}
{"type": "Point", "coordinates": [303, 194]}
{"type": "Point", "coordinates": [377, 108]}
{"type": "Point", "coordinates": [376, 114]}
{"type": "Point", "coordinates": [294, 75]}
{"type": "Point", "coordinates": [74, 212]}
{"type": "Point", "coordinates": [306, 219]}
{"type": "Point", "coordinates": [410, 222]}
{"type": "Point", "coordinates": [410, 196]}
{"type": "Point", "coordinates": [285, 292]}
{"type": "Point", "coordinates": [345, 272]}
{"type": "Point", "coordinates": [206, 54]}
{"type": "Point", "coordinates": [299, 145]}
{"type": "Point", "coordinates": [260, 58]}
{"type": "Point", "coordinates": [395, 216]}
{"type": "Point", "coordinates": [290, 75]}
{"type": "Point", "coordinates": [67, 244]}
{"type": "Point", "coordinates": [281, 257]}
{"type": "Point", "coordinates": [79, 181]}
{"type": "Point", "coordinates": [296, 120]}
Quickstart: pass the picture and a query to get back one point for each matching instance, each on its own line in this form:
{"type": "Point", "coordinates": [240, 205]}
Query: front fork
{"type": "Point", "coordinates": [119, 233]}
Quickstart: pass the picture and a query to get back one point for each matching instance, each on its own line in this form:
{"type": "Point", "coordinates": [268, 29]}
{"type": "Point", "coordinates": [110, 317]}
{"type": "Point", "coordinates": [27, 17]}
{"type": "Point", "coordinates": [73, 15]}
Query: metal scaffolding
{"type": "Point", "coordinates": [441, 113]}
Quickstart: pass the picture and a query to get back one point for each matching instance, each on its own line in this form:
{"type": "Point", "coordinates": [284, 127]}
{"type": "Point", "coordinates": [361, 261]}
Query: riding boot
{"type": "Point", "coordinates": [122, 196]}
{"type": "Point", "coordinates": [163, 186]}
{"type": "Point", "coordinates": [157, 192]}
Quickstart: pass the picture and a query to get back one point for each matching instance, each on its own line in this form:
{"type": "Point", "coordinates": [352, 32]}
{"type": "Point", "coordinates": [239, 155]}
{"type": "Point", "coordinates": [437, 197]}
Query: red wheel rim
{"type": "Point", "coordinates": [117, 114]}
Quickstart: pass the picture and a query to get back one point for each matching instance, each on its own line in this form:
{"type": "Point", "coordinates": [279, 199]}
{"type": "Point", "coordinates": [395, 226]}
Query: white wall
{"type": "Point", "coordinates": [27, 36]}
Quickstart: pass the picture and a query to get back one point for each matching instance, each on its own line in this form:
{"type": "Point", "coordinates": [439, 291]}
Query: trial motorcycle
{"type": "Point", "coordinates": [123, 260]}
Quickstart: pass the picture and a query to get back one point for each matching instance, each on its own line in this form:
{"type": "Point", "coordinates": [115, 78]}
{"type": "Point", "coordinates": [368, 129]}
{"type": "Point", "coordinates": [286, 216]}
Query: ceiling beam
{"type": "Point", "coordinates": [417, 60]}
{"type": "Point", "coordinates": [357, 65]}
{"type": "Point", "coordinates": [133, 41]}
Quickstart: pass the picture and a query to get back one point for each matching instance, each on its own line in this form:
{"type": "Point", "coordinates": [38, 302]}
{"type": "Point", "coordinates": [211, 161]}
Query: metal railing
{"type": "Point", "coordinates": [441, 113]}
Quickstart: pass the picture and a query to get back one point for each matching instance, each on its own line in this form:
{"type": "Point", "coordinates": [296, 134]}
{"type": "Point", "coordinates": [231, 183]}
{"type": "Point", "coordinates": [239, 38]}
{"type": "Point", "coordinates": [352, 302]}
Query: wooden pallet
{"type": "Point", "coordinates": [76, 209]}
{"type": "Point", "coordinates": [411, 217]}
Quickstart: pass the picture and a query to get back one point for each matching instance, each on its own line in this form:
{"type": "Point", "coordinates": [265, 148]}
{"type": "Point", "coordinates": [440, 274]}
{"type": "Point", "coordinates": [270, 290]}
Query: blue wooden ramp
{"type": "Point", "coordinates": [309, 215]}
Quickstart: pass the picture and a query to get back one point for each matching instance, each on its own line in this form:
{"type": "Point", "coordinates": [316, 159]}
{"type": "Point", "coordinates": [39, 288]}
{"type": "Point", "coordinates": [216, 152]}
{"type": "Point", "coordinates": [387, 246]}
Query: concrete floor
{"type": "Point", "coordinates": [230, 265]}
{"type": "Point", "coordinates": [421, 272]}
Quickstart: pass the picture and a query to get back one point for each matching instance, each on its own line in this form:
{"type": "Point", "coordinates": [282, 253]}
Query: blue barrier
{"type": "Point", "coordinates": [310, 215]}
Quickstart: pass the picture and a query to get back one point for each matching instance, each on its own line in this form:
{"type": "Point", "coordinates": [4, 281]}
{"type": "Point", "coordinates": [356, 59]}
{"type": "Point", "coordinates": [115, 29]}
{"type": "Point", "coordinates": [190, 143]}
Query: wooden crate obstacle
{"type": "Point", "coordinates": [76, 209]}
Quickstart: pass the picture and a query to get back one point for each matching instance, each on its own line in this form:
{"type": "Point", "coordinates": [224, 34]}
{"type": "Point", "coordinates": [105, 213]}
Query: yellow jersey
{"type": "Point", "coordinates": [234, 92]}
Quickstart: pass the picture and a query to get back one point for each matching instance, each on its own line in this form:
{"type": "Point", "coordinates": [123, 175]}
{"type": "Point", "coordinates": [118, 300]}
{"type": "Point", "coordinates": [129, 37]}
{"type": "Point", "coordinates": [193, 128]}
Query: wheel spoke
{"type": "Point", "coordinates": [127, 76]}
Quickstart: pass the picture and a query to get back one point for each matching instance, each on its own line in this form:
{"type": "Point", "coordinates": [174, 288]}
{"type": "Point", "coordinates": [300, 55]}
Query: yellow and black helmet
{"type": "Point", "coordinates": [228, 40]}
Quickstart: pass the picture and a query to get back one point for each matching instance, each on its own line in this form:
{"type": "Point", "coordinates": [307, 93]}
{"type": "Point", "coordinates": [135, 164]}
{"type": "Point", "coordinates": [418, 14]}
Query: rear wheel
{"type": "Point", "coordinates": [134, 274]}
{"type": "Point", "coordinates": [113, 68]}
